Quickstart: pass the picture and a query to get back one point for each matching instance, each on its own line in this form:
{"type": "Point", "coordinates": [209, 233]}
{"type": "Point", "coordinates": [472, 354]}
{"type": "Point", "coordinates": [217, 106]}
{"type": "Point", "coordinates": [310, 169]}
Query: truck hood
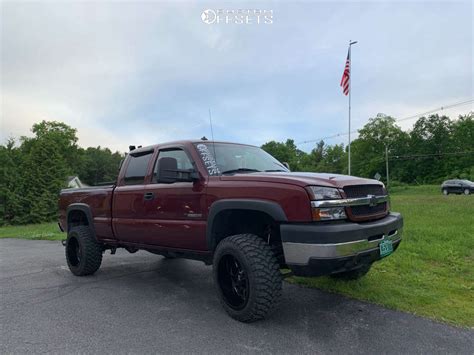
{"type": "Point", "coordinates": [302, 179]}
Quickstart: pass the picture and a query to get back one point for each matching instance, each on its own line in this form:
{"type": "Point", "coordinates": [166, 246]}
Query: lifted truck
{"type": "Point", "coordinates": [236, 207]}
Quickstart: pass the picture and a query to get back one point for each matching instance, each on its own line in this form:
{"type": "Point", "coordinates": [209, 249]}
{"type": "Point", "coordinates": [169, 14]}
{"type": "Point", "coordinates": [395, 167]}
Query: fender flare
{"type": "Point", "coordinates": [271, 208]}
{"type": "Point", "coordinates": [86, 210]}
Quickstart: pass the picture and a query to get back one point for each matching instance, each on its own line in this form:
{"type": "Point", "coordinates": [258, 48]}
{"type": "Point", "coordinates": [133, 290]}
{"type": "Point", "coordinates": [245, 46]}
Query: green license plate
{"type": "Point", "coordinates": [386, 248]}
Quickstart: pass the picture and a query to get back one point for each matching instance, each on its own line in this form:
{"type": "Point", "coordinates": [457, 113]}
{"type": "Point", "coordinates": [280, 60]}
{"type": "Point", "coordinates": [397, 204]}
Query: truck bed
{"type": "Point", "coordinates": [98, 198]}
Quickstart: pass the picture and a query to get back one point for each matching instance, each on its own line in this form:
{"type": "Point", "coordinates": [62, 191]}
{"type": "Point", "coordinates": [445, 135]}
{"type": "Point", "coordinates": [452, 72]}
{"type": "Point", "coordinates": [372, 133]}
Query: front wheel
{"type": "Point", "coordinates": [445, 192]}
{"type": "Point", "coordinates": [83, 253]}
{"type": "Point", "coordinates": [247, 276]}
{"type": "Point", "coordinates": [467, 191]}
{"type": "Point", "coordinates": [353, 274]}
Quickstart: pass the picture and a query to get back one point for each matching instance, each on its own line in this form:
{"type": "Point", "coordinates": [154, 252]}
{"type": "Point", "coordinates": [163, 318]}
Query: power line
{"type": "Point", "coordinates": [461, 103]}
{"type": "Point", "coordinates": [395, 157]}
{"type": "Point", "coordinates": [407, 157]}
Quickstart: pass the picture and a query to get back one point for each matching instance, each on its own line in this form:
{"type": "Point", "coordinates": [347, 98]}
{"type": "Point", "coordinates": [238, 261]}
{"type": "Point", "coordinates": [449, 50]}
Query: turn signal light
{"type": "Point", "coordinates": [328, 214]}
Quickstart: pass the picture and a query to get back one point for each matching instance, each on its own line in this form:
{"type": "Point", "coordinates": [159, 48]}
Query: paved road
{"type": "Point", "coordinates": [142, 303]}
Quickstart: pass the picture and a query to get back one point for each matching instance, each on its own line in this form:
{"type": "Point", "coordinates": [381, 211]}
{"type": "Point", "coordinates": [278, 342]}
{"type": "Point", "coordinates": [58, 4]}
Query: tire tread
{"type": "Point", "coordinates": [91, 253]}
{"type": "Point", "coordinates": [264, 265]}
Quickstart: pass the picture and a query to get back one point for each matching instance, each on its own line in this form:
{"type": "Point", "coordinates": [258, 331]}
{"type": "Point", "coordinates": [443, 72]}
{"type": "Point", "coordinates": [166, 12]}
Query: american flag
{"type": "Point", "coordinates": [346, 75]}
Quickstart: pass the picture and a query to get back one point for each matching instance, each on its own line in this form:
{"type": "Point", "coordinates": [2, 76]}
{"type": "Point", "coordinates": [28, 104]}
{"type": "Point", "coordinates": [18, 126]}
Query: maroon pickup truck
{"type": "Point", "coordinates": [236, 207]}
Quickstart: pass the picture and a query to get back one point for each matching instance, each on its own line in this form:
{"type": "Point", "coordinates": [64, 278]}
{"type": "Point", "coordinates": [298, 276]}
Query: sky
{"type": "Point", "coordinates": [140, 73]}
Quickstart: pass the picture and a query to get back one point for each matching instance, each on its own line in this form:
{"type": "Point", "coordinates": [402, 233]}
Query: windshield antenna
{"type": "Point", "coordinates": [212, 136]}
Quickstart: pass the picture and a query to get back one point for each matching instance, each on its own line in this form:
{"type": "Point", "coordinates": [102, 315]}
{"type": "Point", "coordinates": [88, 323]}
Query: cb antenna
{"type": "Point", "coordinates": [210, 122]}
{"type": "Point", "coordinates": [212, 136]}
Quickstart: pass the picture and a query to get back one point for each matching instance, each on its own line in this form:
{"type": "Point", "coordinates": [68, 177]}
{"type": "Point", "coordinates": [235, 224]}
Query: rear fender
{"type": "Point", "coordinates": [86, 210]}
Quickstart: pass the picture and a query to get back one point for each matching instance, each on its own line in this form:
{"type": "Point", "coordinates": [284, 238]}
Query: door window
{"type": "Point", "coordinates": [182, 160]}
{"type": "Point", "coordinates": [137, 168]}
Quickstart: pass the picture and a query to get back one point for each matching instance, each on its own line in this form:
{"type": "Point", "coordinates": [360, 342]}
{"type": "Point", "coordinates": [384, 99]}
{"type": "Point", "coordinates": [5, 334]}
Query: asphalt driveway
{"type": "Point", "coordinates": [143, 303]}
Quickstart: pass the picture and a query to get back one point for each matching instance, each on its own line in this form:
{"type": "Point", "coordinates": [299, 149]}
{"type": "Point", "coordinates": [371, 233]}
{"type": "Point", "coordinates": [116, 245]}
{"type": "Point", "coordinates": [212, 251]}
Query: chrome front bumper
{"type": "Point", "coordinates": [313, 249]}
{"type": "Point", "coordinates": [301, 253]}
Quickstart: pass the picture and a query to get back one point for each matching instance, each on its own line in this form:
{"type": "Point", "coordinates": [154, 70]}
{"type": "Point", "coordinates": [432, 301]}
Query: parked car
{"type": "Point", "coordinates": [465, 187]}
{"type": "Point", "coordinates": [237, 208]}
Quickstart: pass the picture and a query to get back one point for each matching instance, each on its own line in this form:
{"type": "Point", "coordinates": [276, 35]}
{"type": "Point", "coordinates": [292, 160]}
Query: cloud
{"type": "Point", "coordinates": [138, 73]}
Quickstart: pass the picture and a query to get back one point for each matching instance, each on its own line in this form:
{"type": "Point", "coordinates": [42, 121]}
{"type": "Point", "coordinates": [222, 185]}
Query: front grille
{"type": "Point", "coordinates": [365, 211]}
{"type": "Point", "coordinates": [363, 190]}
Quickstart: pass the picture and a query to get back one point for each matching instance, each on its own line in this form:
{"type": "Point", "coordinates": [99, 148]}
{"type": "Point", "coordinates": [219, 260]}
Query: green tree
{"type": "Point", "coordinates": [45, 171]}
{"type": "Point", "coordinates": [368, 150]}
{"type": "Point", "coordinates": [286, 152]}
{"type": "Point", "coordinates": [98, 165]}
{"type": "Point", "coordinates": [310, 162]}
{"type": "Point", "coordinates": [63, 136]}
{"type": "Point", "coordinates": [10, 159]}
{"type": "Point", "coordinates": [334, 160]}
{"type": "Point", "coordinates": [431, 138]}
{"type": "Point", "coordinates": [462, 165]}
{"type": "Point", "coordinates": [34, 173]}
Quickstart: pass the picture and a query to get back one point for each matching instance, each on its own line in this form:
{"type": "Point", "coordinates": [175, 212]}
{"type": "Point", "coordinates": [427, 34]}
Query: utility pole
{"type": "Point", "coordinates": [386, 163]}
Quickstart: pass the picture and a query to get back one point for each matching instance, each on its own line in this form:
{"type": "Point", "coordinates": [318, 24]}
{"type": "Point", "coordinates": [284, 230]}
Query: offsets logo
{"type": "Point", "coordinates": [208, 16]}
{"type": "Point", "coordinates": [237, 16]}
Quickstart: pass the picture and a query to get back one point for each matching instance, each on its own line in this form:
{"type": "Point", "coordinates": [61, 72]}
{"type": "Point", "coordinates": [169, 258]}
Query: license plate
{"type": "Point", "coordinates": [386, 248]}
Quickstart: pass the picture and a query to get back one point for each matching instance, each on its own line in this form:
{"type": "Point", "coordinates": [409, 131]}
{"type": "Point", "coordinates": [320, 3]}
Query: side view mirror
{"type": "Point", "coordinates": [168, 172]}
{"type": "Point", "coordinates": [286, 165]}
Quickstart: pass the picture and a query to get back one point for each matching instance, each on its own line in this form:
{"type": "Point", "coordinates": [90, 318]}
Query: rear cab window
{"type": "Point", "coordinates": [137, 168]}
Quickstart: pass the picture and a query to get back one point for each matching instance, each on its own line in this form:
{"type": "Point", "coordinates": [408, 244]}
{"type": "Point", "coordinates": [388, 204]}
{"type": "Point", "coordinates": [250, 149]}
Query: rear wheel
{"type": "Point", "coordinates": [353, 274]}
{"type": "Point", "coordinates": [445, 192]}
{"type": "Point", "coordinates": [467, 191]}
{"type": "Point", "coordinates": [83, 253]}
{"type": "Point", "coordinates": [247, 276]}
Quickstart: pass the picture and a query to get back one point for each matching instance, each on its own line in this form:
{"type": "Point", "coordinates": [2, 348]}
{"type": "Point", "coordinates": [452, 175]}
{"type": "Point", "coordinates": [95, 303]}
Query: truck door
{"type": "Point", "coordinates": [128, 197]}
{"type": "Point", "coordinates": [169, 214]}
{"type": "Point", "coordinates": [176, 210]}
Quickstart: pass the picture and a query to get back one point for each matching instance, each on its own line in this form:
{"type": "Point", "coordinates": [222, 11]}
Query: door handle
{"type": "Point", "coordinates": [149, 196]}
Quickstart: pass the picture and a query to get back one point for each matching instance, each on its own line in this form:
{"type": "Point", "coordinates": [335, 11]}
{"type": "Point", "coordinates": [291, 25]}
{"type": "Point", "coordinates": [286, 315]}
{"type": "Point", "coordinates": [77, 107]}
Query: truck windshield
{"type": "Point", "coordinates": [228, 159]}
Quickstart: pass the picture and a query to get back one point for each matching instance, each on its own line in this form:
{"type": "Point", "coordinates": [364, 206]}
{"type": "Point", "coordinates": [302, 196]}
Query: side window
{"type": "Point", "coordinates": [136, 169]}
{"type": "Point", "coordinates": [182, 160]}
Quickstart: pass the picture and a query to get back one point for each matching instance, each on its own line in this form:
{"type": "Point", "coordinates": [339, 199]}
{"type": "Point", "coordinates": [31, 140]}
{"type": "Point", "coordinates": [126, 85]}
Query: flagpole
{"type": "Point", "coordinates": [350, 92]}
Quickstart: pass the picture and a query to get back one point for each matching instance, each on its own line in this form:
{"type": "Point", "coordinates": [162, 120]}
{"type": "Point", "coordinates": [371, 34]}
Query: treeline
{"type": "Point", "coordinates": [437, 148]}
{"type": "Point", "coordinates": [34, 169]}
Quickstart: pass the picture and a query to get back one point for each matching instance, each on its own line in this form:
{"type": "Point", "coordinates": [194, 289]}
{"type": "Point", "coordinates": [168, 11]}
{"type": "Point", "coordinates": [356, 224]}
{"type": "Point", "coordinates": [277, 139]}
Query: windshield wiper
{"type": "Point", "coordinates": [240, 170]}
{"type": "Point", "coordinates": [275, 170]}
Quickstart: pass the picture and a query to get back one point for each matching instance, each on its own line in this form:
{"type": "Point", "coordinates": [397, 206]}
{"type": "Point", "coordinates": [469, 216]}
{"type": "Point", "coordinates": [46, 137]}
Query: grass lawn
{"type": "Point", "coordinates": [44, 231]}
{"type": "Point", "coordinates": [432, 272]}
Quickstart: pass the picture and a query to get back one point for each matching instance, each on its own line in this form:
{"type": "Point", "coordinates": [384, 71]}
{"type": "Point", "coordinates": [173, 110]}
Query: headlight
{"type": "Point", "coordinates": [326, 193]}
{"type": "Point", "coordinates": [323, 193]}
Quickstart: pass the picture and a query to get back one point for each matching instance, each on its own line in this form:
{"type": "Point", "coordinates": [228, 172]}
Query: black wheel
{"type": "Point", "coordinates": [247, 276]}
{"type": "Point", "coordinates": [353, 274]}
{"type": "Point", "coordinates": [83, 253]}
{"type": "Point", "coordinates": [467, 191]}
{"type": "Point", "coordinates": [445, 192]}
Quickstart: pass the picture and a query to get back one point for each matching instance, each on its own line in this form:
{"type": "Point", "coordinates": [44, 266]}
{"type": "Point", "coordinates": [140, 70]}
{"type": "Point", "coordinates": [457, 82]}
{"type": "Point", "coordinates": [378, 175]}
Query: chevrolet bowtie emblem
{"type": "Point", "coordinates": [372, 200]}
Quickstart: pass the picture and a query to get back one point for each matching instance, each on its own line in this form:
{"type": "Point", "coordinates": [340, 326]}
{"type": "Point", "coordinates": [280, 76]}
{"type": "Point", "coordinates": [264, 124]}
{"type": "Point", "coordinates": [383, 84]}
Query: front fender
{"type": "Point", "coordinates": [271, 208]}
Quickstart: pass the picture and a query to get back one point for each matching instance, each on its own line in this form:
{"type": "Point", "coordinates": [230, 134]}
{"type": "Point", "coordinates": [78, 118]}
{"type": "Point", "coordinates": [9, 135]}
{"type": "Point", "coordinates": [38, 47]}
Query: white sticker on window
{"type": "Point", "coordinates": [208, 159]}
